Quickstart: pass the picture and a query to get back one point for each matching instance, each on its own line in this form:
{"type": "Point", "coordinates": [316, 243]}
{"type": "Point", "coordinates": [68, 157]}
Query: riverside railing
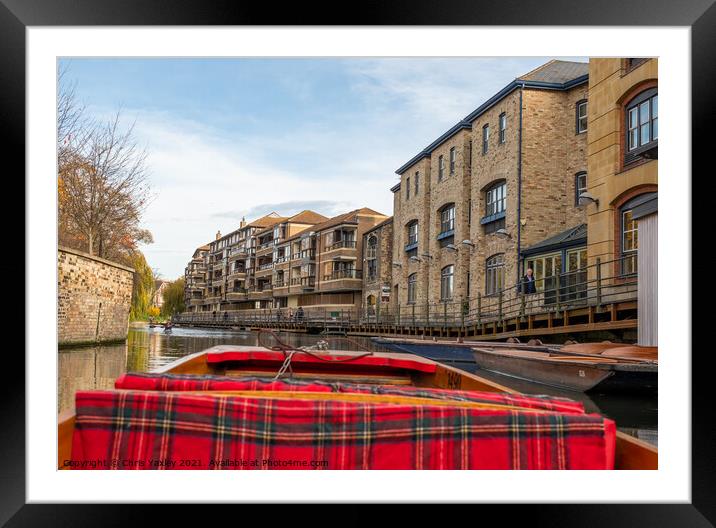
{"type": "Point", "coordinates": [596, 285]}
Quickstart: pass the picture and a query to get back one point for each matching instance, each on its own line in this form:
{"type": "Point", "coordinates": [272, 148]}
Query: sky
{"type": "Point", "coordinates": [227, 138]}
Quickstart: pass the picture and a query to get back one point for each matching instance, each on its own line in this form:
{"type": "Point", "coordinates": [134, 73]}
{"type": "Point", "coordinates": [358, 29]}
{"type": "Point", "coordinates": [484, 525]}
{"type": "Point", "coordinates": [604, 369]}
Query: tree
{"type": "Point", "coordinates": [143, 287]}
{"type": "Point", "coordinates": [103, 187]}
{"type": "Point", "coordinates": [174, 298]}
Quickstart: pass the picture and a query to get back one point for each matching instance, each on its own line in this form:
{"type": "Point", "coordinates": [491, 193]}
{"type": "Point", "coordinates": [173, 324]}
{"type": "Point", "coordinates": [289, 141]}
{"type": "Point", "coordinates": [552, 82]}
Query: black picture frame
{"type": "Point", "coordinates": [700, 15]}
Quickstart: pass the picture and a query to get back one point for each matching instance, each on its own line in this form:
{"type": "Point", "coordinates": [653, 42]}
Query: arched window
{"type": "Point", "coordinates": [641, 125]}
{"type": "Point", "coordinates": [628, 237]}
{"type": "Point", "coordinates": [494, 274]}
{"type": "Point", "coordinates": [580, 185]}
{"type": "Point", "coordinates": [446, 282]}
{"type": "Point", "coordinates": [372, 248]}
{"type": "Point", "coordinates": [412, 287]}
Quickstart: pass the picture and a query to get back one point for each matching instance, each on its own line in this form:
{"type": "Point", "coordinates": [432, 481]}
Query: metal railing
{"type": "Point", "coordinates": [343, 274]}
{"type": "Point", "coordinates": [596, 285]}
{"type": "Point", "coordinates": [349, 244]}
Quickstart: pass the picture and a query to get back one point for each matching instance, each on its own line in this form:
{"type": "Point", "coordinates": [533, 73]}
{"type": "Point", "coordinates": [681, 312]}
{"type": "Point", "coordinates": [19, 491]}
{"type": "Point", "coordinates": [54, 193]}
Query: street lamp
{"type": "Point", "coordinates": [502, 233]}
{"type": "Point", "coordinates": [585, 199]}
{"type": "Point", "coordinates": [451, 247]}
{"type": "Point", "coordinates": [415, 259]}
{"type": "Point", "coordinates": [469, 243]}
{"type": "Point", "coordinates": [397, 265]}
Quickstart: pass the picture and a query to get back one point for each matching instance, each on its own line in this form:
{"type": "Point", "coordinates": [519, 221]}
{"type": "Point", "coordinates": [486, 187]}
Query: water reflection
{"type": "Point", "coordinates": [149, 348]}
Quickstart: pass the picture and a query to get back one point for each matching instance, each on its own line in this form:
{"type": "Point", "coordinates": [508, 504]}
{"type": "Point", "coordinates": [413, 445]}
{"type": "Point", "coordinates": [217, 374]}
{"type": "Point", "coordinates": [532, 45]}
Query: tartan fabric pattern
{"type": "Point", "coordinates": [193, 382]}
{"type": "Point", "coordinates": [159, 430]}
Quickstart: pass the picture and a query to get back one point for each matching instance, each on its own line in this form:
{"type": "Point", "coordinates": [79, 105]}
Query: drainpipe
{"type": "Point", "coordinates": [519, 192]}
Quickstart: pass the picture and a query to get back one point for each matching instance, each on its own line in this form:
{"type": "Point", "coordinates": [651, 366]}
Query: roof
{"type": "Point", "coordinates": [553, 75]}
{"type": "Point", "coordinates": [557, 71]}
{"type": "Point", "coordinates": [350, 217]}
{"type": "Point", "coordinates": [269, 220]}
{"type": "Point", "coordinates": [388, 220]}
{"type": "Point", "coordinates": [307, 217]}
{"type": "Point", "coordinates": [573, 236]}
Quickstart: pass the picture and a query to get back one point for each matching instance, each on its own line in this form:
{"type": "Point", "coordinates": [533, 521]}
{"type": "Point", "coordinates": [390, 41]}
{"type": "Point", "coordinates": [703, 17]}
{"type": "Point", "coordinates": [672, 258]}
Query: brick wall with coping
{"type": "Point", "coordinates": [94, 296]}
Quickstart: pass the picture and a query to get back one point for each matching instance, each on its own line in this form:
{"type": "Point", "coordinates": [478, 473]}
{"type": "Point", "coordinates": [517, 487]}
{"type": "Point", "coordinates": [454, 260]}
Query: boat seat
{"type": "Point", "coordinates": [175, 430]}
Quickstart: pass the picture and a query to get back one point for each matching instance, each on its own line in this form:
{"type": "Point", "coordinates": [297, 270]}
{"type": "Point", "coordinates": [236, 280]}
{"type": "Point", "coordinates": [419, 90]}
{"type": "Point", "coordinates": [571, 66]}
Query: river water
{"type": "Point", "coordinates": [149, 348]}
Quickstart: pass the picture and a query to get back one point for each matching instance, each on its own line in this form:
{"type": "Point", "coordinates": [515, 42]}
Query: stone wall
{"type": "Point", "coordinates": [93, 298]}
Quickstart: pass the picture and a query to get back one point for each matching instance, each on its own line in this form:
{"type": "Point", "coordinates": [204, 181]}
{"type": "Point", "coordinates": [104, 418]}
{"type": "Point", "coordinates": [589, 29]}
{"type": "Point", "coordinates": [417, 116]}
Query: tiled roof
{"type": "Point", "coordinates": [307, 217]}
{"type": "Point", "coordinates": [349, 217]}
{"type": "Point", "coordinates": [269, 220]}
{"type": "Point", "coordinates": [557, 71]}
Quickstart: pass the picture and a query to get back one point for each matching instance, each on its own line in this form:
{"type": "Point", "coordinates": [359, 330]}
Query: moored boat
{"type": "Point", "coordinates": [572, 370]}
{"type": "Point", "coordinates": [233, 405]}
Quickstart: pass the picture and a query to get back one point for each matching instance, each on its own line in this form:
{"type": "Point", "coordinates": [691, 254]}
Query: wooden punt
{"type": "Point", "coordinates": [608, 369]}
{"type": "Point", "coordinates": [379, 368]}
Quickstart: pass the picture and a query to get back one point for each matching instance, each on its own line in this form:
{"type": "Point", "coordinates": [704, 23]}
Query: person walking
{"type": "Point", "coordinates": [528, 282]}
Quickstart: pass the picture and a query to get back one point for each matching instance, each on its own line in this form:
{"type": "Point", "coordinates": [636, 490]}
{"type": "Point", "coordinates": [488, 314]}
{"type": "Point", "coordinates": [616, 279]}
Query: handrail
{"type": "Point", "coordinates": [595, 285]}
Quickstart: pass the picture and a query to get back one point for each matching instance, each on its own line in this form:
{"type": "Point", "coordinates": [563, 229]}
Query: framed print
{"type": "Point", "coordinates": [266, 241]}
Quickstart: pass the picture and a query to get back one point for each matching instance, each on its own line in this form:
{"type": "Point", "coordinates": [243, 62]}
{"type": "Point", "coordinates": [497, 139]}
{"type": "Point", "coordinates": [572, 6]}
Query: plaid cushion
{"type": "Point", "coordinates": [158, 430]}
{"type": "Point", "coordinates": [243, 354]}
{"type": "Point", "coordinates": [193, 382]}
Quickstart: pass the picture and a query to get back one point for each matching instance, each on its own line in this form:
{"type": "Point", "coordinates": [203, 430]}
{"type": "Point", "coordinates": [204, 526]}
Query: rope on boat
{"type": "Point", "coordinates": [289, 351]}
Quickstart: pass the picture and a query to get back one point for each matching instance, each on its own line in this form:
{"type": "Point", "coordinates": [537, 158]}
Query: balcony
{"type": "Point", "coordinates": [342, 244]}
{"type": "Point", "coordinates": [306, 283]}
{"type": "Point", "coordinates": [305, 255]}
{"type": "Point", "coordinates": [235, 275]}
{"type": "Point", "coordinates": [265, 248]}
{"type": "Point", "coordinates": [238, 255]}
{"type": "Point", "coordinates": [264, 270]}
{"type": "Point", "coordinates": [217, 282]}
{"type": "Point", "coordinates": [261, 293]}
{"type": "Point", "coordinates": [348, 279]}
{"type": "Point", "coordinates": [217, 266]}
{"type": "Point", "coordinates": [237, 294]}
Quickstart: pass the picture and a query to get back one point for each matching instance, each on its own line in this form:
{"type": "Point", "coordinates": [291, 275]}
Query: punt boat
{"type": "Point", "coordinates": [597, 367]}
{"type": "Point", "coordinates": [258, 407]}
{"type": "Point", "coordinates": [594, 367]}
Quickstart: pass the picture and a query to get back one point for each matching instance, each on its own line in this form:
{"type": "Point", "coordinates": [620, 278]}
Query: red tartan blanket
{"type": "Point", "coordinates": [193, 382]}
{"type": "Point", "coordinates": [158, 430]}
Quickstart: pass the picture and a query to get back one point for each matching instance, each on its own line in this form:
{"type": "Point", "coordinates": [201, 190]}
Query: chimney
{"type": "Point", "coordinates": [243, 222]}
{"type": "Point", "coordinates": [218, 235]}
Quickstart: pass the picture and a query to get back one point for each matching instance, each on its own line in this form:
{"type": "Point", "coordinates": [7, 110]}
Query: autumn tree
{"type": "Point", "coordinates": [103, 185]}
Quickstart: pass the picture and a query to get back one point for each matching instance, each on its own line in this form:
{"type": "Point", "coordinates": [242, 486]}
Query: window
{"type": "Point", "coordinates": [580, 185]}
{"type": "Point", "coordinates": [447, 218]}
{"type": "Point", "coordinates": [496, 199]}
{"type": "Point", "coordinates": [441, 168]}
{"type": "Point", "coordinates": [581, 116]}
{"type": "Point", "coordinates": [503, 126]}
{"type": "Point", "coordinates": [412, 287]}
{"type": "Point", "coordinates": [632, 63]}
{"type": "Point", "coordinates": [372, 249]}
{"type": "Point", "coordinates": [446, 282]}
{"type": "Point", "coordinates": [372, 269]}
{"type": "Point", "coordinates": [407, 188]}
{"type": "Point", "coordinates": [452, 161]}
{"type": "Point", "coordinates": [417, 182]}
{"type": "Point", "coordinates": [629, 240]}
{"type": "Point", "coordinates": [642, 124]}
{"type": "Point", "coordinates": [485, 138]}
{"type": "Point", "coordinates": [494, 274]}
{"type": "Point", "coordinates": [413, 233]}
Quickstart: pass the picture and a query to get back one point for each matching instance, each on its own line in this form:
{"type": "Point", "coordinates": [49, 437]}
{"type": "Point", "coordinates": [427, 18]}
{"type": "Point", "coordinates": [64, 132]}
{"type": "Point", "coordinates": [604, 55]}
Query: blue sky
{"type": "Point", "coordinates": [233, 137]}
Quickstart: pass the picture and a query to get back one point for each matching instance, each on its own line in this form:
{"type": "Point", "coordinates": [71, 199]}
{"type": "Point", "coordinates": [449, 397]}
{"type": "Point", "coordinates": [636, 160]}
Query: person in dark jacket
{"type": "Point", "coordinates": [528, 282]}
{"type": "Point", "coordinates": [299, 314]}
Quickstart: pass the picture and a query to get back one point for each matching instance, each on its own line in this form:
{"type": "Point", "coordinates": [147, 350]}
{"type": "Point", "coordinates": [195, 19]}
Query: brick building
{"type": "Point", "coordinates": [623, 177]}
{"type": "Point", "coordinates": [473, 205]}
{"type": "Point", "coordinates": [377, 266]}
